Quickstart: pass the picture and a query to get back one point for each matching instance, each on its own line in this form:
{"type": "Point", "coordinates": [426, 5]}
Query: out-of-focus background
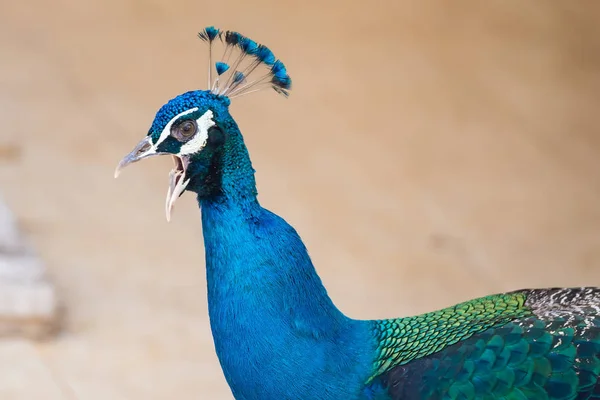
{"type": "Point", "coordinates": [430, 152]}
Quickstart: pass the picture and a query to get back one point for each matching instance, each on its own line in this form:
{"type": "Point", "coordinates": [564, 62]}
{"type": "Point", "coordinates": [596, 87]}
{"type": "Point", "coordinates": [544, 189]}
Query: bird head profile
{"type": "Point", "coordinates": [196, 129]}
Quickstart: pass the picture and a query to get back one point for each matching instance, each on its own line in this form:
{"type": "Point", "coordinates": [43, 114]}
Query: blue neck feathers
{"type": "Point", "coordinates": [275, 329]}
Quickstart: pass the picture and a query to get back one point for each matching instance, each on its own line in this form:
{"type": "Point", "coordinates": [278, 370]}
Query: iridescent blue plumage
{"type": "Point", "coordinates": [234, 71]}
{"type": "Point", "coordinates": [221, 67]}
{"type": "Point", "coordinates": [238, 77]}
{"type": "Point", "coordinates": [280, 75]}
{"type": "Point", "coordinates": [209, 34]}
{"type": "Point", "coordinates": [279, 69]}
{"type": "Point", "coordinates": [277, 333]}
{"type": "Point", "coordinates": [248, 46]}
{"type": "Point", "coordinates": [265, 55]}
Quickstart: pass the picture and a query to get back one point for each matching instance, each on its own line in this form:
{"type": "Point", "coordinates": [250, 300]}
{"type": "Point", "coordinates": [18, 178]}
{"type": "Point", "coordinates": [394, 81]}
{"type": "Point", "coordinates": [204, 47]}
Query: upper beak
{"type": "Point", "coordinates": [142, 150]}
{"type": "Point", "coordinates": [177, 181]}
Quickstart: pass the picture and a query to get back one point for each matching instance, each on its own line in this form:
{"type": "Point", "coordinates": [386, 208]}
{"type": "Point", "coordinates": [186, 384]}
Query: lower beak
{"type": "Point", "coordinates": [177, 181]}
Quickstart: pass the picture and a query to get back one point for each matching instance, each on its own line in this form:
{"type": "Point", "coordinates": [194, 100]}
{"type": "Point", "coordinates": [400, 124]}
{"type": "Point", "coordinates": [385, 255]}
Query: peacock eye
{"type": "Point", "coordinates": [185, 130]}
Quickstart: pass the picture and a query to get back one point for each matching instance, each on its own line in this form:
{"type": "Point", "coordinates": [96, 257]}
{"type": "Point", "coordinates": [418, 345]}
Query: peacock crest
{"type": "Point", "coordinates": [237, 73]}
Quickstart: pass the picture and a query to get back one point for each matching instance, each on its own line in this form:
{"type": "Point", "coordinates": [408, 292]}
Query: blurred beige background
{"type": "Point", "coordinates": [430, 152]}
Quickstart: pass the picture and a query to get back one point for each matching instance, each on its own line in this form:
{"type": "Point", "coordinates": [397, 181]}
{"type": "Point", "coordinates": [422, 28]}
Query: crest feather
{"type": "Point", "coordinates": [236, 71]}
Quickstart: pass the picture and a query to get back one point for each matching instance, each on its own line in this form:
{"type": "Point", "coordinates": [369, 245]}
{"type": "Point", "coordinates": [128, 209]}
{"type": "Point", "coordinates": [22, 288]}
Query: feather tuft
{"type": "Point", "coordinates": [238, 77]}
{"type": "Point", "coordinates": [236, 71]}
{"type": "Point", "coordinates": [284, 82]}
{"type": "Point", "coordinates": [265, 55]}
{"type": "Point", "coordinates": [248, 46]}
{"type": "Point", "coordinates": [221, 67]}
{"type": "Point", "coordinates": [280, 78]}
{"type": "Point", "coordinates": [209, 34]}
{"type": "Point", "coordinates": [278, 69]}
{"type": "Point", "coordinates": [232, 38]}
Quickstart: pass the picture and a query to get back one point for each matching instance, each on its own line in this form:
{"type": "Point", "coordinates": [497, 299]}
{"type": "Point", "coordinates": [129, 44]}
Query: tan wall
{"type": "Point", "coordinates": [431, 152]}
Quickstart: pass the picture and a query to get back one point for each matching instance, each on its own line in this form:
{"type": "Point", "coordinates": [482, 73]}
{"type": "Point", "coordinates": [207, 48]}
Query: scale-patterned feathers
{"type": "Point", "coordinates": [404, 339]}
{"type": "Point", "coordinates": [544, 345]}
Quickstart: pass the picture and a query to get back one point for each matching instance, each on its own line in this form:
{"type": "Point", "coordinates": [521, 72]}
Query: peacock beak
{"type": "Point", "coordinates": [143, 149]}
{"type": "Point", "coordinates": [177, 176]}
{"type": "Point", "coordinates": [177, 182]}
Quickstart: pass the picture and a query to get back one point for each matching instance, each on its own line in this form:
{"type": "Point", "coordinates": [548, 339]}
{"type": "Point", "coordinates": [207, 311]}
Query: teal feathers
{"type": "Point", "coordinates": [405, 339]}
{"type": "Point", "coordinates": [221, 67]}
{"type": "Point", "coordinates": [545, 345]}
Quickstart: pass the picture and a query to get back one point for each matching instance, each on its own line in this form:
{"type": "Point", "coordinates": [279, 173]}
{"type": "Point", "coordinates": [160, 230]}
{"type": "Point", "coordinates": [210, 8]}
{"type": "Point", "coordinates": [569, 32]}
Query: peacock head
{"type": "Point", "coordinates": [195, 127]}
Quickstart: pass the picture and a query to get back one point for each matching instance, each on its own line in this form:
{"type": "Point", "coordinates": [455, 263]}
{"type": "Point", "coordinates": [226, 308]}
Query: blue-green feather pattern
{"type": "Point", "coordinates": [546, 348]}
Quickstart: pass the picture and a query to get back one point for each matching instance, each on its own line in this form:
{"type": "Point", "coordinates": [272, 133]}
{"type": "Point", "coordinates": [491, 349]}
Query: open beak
{"type": "Point", "coordinates": [177, 181]}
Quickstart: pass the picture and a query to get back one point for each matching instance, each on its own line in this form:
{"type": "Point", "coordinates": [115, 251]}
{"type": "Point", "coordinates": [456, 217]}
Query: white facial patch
{"type": "Point", "coordinates": [198, 142]}
{"type": "Point", "coordinates": [167, 130]}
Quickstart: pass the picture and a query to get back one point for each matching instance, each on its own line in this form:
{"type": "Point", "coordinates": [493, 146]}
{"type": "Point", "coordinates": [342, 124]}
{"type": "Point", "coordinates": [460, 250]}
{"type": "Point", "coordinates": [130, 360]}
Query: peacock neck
{"type": "Point", "coordinates": [268, 308]}
{"type": "Point", "coordinates": [254, 255]}
{"type": "Point", "coordinates": [248, 248]}
{"type": "Point", "coordinates": [270, 314]}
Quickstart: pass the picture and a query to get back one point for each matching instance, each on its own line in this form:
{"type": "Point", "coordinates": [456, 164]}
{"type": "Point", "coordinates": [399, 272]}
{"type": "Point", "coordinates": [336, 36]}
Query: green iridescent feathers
{"type": "Point", "coordinates": [404, 339]}
{"type": "Point", "coordinates": [529, 344]}
{"type": "Point", "coordinates": [530, 359]}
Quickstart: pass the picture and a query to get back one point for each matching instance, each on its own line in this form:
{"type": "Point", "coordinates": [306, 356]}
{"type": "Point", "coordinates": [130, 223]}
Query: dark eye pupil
{"type": "Point", "coordinates": [185, 130]}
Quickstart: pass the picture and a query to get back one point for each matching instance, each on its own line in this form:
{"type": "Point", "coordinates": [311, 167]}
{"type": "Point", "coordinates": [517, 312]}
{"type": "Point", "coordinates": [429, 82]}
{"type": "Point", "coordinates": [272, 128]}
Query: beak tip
{"type": "Point", "coordinates": [142, 150]}
{"type": "Point", "coordinates": [168, 208]}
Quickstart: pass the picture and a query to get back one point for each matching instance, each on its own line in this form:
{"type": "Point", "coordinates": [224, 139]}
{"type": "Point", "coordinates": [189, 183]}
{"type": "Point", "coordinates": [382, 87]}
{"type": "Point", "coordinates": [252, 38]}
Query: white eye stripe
{"type": "Point", "coordinates": [167, 130]}
{"type": "Point", "coordinates": [198, 142]}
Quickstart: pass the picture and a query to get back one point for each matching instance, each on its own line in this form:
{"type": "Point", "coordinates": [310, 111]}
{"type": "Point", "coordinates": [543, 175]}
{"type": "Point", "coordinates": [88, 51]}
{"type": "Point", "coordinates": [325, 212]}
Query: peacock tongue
{"type": "Point", "coordinates": [177, 183]}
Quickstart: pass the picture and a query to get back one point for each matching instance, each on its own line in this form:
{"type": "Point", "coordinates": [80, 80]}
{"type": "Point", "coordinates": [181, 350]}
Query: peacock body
{"type": "Point", "coordinates": [279, 336]}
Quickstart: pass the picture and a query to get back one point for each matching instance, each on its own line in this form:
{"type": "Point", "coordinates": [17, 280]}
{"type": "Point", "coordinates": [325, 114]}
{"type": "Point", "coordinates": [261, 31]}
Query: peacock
{"type": "Point", "coordinates": [276, 332]}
